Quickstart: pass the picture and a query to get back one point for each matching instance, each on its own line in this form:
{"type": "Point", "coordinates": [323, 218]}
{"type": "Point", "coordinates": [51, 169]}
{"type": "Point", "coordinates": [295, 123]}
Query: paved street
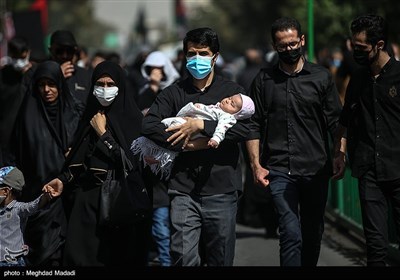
{"type": "Point", "coordinates": [253, 249]}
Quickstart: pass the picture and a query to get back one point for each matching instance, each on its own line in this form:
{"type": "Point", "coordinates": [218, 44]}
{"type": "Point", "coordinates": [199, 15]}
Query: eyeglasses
{"type": "Point", "coordinates": [283, 47]}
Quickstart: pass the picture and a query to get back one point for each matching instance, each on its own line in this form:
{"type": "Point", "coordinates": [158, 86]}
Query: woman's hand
{"type": "Point", "coordinates": [53, 188]}
{"type": "Point", "coordinates": [98, 122]}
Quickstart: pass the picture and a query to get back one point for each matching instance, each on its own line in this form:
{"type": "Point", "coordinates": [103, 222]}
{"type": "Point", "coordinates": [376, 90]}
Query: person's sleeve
{"type": "Point", "coordinates": [350, 103]}
{"type": "Point", "coordinates": [163, 107]}
{"type": "Point", "coordinates": [257, 122]}
{"type": "Point", "coordinates": [225, 122]}
{"type": "Point", "coordinates": [331, 104]}
{"type": "Point", "coordinates": [109, 146]}
{"type": "Point", "coordinates": [29, 208]}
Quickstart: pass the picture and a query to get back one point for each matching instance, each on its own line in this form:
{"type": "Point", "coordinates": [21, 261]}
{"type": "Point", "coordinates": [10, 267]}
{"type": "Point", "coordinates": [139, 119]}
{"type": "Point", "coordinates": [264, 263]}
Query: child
{"type": "Point", "coordinates": [226, 112]}
{"type": "Point", "coordinates": [14, 214]}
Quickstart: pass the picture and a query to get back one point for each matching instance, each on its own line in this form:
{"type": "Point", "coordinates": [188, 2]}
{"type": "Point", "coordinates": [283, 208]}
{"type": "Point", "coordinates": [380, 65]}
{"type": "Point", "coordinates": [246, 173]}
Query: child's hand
{"type": "Point", "coordinates": [54, 188]}
{"type": "Point", "coordinates": [212, 143]}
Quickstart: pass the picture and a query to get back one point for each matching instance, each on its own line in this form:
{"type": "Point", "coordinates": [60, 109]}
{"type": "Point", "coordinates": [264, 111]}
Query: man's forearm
{"type": "Point", "coordinates": [253, 150]}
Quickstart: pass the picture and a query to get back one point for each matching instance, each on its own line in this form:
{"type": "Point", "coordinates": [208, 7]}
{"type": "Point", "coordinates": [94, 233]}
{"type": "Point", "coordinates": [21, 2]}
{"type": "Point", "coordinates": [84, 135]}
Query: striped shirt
{"type": "Point", "coordinates": [13, 218]}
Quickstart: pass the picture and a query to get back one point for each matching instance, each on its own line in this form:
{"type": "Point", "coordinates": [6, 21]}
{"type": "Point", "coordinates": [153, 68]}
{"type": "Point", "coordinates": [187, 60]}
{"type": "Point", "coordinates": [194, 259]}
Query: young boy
{"type": "Point", "coordinates": [14, 214]}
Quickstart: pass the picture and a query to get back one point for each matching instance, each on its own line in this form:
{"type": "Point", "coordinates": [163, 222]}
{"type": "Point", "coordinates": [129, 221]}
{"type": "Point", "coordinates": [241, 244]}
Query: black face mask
{"type": "Point", "coordinates": [290, 56]}
{"type": "Point", "coordinates": [362, 57]}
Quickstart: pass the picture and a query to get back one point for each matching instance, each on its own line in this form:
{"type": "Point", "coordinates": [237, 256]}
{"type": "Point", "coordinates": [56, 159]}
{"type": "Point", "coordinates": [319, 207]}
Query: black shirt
{"type": "Point", "coordinates": [204, 172]}
{"type": "Point", "coordinates": [371, 114]}
{"type": "Point", "coordinates": [294, 114]}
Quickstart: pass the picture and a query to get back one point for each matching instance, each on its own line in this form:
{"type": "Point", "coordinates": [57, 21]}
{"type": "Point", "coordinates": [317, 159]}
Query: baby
{"type": "Point", "coordinates": [226, 112]}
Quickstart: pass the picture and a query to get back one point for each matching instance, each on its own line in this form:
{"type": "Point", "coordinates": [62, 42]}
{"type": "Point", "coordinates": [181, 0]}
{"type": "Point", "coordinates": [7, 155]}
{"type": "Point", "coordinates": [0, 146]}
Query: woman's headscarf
{"type": "Point", "coordinates": [123, 116]}
{"type": "Point", "coordinates": [124, 119]}
{"type": "Point", "coordinates": [45, 131]}
{"type": "Point", "coordinates": [159, 59]}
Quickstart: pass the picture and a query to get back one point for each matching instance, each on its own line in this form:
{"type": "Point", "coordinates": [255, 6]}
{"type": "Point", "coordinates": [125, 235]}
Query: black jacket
{"type": "Point", "coordinates": [205, 172]}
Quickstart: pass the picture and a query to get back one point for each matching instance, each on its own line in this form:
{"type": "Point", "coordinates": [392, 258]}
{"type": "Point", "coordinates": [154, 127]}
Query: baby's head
{"type": "Point", "coordinates": [240, 105]}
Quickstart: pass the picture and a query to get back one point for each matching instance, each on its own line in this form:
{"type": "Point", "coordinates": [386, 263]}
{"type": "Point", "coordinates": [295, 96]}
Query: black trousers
{"type": "Point", "coordinates": [376, 199]}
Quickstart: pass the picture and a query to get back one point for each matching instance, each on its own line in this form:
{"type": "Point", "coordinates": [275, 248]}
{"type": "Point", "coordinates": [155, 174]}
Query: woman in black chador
{"type": "Point", "coordinates": [45, 131]}
{"type": "Point", "coordinates": [110, 123]}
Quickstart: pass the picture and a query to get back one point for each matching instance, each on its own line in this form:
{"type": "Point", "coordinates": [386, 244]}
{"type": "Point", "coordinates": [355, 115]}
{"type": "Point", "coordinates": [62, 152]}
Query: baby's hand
{"type": "Point", "coordinates": [212, 143]}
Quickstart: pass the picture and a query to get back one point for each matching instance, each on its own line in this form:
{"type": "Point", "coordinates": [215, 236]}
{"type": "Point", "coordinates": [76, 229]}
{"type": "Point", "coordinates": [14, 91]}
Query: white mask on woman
{"type": "Point", "coordinates": [105, 95]}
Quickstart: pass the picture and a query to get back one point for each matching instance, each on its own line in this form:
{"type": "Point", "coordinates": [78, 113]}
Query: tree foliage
{"type": "Point", "coordinates": [76, 16]}
{"type": "Point", "coordinates": [242, 23]}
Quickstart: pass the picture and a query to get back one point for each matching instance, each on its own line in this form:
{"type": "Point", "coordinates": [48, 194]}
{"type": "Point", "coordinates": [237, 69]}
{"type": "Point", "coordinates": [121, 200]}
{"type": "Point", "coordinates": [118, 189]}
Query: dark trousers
{"type": "Point", "coordinates": [374, 198]}
{"type": "Point", "coordinates": [300, 202]}
{"type": "Point", "coordinates": [203, 229]}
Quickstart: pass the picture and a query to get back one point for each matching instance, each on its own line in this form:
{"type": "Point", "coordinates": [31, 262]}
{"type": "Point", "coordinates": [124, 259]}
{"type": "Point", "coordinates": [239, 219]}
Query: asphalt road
{"type": "Point", "coordinates": [253, 249]}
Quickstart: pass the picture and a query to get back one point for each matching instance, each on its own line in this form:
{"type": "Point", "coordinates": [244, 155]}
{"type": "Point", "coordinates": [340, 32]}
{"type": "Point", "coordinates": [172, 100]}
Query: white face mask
{"type": "Point", "coordinates": [20, 63]}
{"type": "Point", "coordinates": [2, 198]}
{"type": "Point", "coordinates": [105, 95]}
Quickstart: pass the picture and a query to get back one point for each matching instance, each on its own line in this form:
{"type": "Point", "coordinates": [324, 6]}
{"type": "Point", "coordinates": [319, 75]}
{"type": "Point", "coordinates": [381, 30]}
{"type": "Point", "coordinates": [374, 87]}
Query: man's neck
{"type": "Point", "coordinates": [378, 65]}
{"type": "Point", "coordinates": [202, 84]}
{"type": "Point", "coordinates": [291, 69]}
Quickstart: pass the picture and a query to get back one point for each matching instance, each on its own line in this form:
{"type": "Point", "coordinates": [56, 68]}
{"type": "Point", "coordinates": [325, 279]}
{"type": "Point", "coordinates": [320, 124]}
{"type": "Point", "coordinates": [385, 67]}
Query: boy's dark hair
{"type": "Point", "coordinates": [375, 27]}
{"type": "Point", "coordinates": [16, 194]}
{"type": "Point", "coordinates": [17, 45]}
{"type": "Point", "coordinates": [285, 23]}
{"type": "Point", "coordinates": [203, 36]}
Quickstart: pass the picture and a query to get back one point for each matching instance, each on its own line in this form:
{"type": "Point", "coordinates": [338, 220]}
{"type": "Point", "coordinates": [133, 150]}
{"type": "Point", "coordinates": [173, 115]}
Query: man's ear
{"type": "Point", "coordinates": [380, 44]}
{"type": "Point", "coordinates": [215, 57]}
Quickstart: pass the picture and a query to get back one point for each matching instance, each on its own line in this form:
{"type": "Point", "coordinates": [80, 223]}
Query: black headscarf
{"type": "Point", "coordinates": [124, 121]}
{"type": "Point", "coordinates": [124, 118]}
{"type": "Point", "coordinates": [43, 143]}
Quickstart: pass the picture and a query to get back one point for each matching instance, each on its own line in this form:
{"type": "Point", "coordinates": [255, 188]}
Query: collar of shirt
{"type": "Point", "coordinates": [10, 205]}
{"type": "Point", "coordinates": [295, 72]}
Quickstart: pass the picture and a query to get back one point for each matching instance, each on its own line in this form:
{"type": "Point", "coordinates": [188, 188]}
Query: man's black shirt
{"type": "Point", "coordinates": [294, 114]}
{"type": "Point", "coordinates": [372, 116]}
{"type": "Point", "coordinates": [204, 172]}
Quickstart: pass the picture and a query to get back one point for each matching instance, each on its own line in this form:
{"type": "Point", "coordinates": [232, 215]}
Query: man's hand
{"type": "Point", "coordinates": [185, 131]}
{"type": "Point", "coordinates": [339, 165]}
{"type": "Point", "coordinates": [26, 68]}
{"type": "Point", "coordinates": [67, 69]}
{"type": "Point", "coordinates": [260, 176]}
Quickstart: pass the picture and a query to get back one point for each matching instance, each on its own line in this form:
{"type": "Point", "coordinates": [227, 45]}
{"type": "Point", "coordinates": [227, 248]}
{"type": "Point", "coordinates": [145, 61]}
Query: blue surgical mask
{"type": "Point", "coordinates": [199, 66]}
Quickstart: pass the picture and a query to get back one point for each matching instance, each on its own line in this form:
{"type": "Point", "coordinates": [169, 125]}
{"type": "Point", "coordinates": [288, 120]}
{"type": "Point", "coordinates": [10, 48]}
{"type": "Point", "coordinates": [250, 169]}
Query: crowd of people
{"type": "Point", "coordinates": [173, 140]}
